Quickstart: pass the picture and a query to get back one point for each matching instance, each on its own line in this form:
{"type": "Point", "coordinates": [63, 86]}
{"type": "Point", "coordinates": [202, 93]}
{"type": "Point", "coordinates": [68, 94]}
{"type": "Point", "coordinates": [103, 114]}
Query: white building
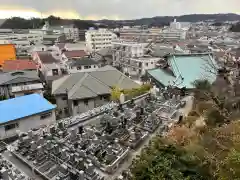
{"type": "Point", "coordinates": [99, 39]}
{"type": "Point", "coordinates": [22, 41]}
{"type": "Point", "coordinates": [170, 34]}
{"type": "Point", "coordinates": [179, 25]}
{"type": "Point", "coordinates": [20, 83]}
{"type": "Point", "coordinates": [154, 34]}
{"type": "Point", "coordinates": [130, 56]}
{"type": "Point", "coordinates": [84, 64]}
{"type": "Point", "coordinates": [25, 114]}
{"type": "Point", "coordinates": [175, 25]}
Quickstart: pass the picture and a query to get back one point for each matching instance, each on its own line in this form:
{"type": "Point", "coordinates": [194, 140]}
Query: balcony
{"type": "Point", "coordinates": [27, 87]}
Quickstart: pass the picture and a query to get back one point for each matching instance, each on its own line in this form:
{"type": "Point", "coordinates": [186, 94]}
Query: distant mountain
{"type": "Point", "coordinates": [165, 20]}
{"type": "Point", "coordinates": [20, 23]}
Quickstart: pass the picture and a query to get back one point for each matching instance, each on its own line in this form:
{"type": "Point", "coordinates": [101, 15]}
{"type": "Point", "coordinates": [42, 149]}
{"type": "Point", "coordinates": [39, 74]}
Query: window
{"type": "Point", "coordinates": [11, 126]}
{"type": "Point", "coordinates": [55, 72]}
{"type": "Point", "coordinates": [94, 66]}
{"type": "Point", "coordinates": [140, 64]}
{"type": "Point", "coordinates": [64, 98]}
{"type": "Point", "coordinates": [146, 64]}
{"type": "Point", "coordinates": [151, 62]}
{"type": "Point", "coordinates": [75, 103]}
{"type": "Point", "coordinates": [79, 68]}
{"type": "Point", "coordinates": [46, 115]}
{"type": "Point", "coordinates": [86, 102]}
{"type": "Point", "coordinates": [87, 67]}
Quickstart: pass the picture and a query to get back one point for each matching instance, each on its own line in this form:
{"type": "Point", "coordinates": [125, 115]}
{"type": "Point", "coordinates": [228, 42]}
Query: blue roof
{"type": "Point", "coordinates": [193, 67]}
{"type": "Point", "coordinates": [20, 107]}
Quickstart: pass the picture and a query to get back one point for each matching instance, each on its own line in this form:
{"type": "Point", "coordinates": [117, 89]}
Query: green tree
{"type": "Point", "coordinates": [164, 161]}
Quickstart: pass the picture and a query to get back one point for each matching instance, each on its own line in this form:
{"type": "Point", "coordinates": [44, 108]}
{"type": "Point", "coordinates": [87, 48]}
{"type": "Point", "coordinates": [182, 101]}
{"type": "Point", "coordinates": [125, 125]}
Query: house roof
{"type": "Point", "coordinates": [19, 65]}
{"type": "Point", "coordinates": [60, 45]}
{"type": "Point", "coordinates": [7, 52]}
{"type": "Point", "coordinates": [75, 53]}
{"type": "Point", "coordinates": [20, 107]}
{"type": "Point", "coordinates": [82, 62]}
{"type": "Point", "coordinates": [186, 69]}
{"type": "Point", "coordinates": [46, 57]}
{"type": "Point", "coordinates": [90, 84]}
{"type": "Point", "coordinates": [18, 77]}
{"type": "Point", "coordinates": [162, 76]}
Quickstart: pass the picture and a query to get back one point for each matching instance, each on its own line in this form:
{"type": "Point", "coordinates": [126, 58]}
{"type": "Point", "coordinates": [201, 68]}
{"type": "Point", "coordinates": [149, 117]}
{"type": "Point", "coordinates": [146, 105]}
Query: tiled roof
{"type": "Point", "coordinates": [186, 69]}
{"type": "Point", "coordinates": [193, 67]}
{"type": "Point", "coordinates": [90, 84]}
{"type": "Point", "coordinates": [61, 45]}
{"type": "Point", "coordinates": [18, 77]}
{"type": "Point", "coordinates": [75, 53]}
{"type": "Point", "coordinates": [15, 65]}
{"type": "Point", "coordinates": [82, 62]}
{"type": "Point", "coordinates": [46, 57]}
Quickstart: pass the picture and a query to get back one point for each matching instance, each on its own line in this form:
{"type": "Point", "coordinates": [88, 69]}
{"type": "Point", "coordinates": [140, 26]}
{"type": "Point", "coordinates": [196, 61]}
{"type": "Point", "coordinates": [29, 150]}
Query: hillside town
{"type": "Point", "coordinates": [84, 104]}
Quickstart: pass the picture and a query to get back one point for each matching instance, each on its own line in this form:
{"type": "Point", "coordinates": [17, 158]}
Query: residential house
{"type": "Point", "coordinates": [84, 64]}
{"type": "Point", "coordinates": [103, 56]}
{"type": "Point", "coordinates": [181, 70]}
{"type": "Point", "coordinates": [71, 46]}
{"type": "Point", "coordinates": [20, 83]}
{"type": "Point", "coordinates": [50, 65]}
{"type": "Point", "coordinates": [19, 65]}
{"type": "Point", "coordinates": [68, 55]}
{"type": "Point", "coordinates": [25, 113]}
{"type": "Point", "coordinates": [51, 39]}
{"type": "Point", "coordinates": [80, 92]}
{"type": "Point", "coordinates": [132, 58]}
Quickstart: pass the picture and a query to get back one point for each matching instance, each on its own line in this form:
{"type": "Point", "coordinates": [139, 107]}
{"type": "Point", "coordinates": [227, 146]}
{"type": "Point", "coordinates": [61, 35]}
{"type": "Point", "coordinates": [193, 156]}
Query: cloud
{"type": "Point", "coordinates": [120, 9]}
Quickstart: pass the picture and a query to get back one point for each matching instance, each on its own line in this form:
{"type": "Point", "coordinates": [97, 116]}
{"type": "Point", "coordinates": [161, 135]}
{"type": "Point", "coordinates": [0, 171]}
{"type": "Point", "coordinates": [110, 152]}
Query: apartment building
{"type": "Point", "coordinates": [98, 39]}
{"type": "Point", "coordinates": [152, 34]}
{"type": "Point", "coordinates": [22, 40]}
{"type": "Point", "coordinates": [131, 58]}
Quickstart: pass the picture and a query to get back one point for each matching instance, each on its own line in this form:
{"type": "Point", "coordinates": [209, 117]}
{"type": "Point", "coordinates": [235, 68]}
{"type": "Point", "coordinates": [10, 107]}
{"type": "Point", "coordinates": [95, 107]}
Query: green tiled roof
{"type": "Point", "coordinates": [161, 76]}
{"type": "Point", "coordinates": [187, 69]}
{"type": "Point", "coordinates": [193, 67]}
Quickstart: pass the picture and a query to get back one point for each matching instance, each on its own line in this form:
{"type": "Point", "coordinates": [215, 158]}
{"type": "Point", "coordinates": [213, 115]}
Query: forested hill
{"type": "Point", "coordinates": [20, 23]}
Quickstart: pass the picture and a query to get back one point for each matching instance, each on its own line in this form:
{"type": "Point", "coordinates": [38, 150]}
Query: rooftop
{"type": "Point", "coordinates": [18, 77]}
{"type": "Point", "coordinates": [10, 65]}
{"type": "Point", "coordinates": [186, 69]}
{"type": "Point", "coordinates": [90, 84]}
{"type": "Point", "coordinates": [20, 107]}
{"type": "Point", "coordinates": [75, 53]}
{"type": "Point", "coordinates": [82, 62]}
{"type": "Point", "coordinates": [46, 57]}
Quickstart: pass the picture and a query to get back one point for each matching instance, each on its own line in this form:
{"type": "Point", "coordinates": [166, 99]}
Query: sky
{"type": "Point", "coordinates": [113, 9]}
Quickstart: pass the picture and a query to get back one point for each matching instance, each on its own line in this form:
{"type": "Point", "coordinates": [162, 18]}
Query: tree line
{"type": "Point", "coordinates": [36, 23]}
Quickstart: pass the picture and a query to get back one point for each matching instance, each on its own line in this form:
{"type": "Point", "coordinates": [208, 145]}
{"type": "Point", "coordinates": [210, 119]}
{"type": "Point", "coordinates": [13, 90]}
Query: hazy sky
{"type": "Point", "coordinates": [114, 9]}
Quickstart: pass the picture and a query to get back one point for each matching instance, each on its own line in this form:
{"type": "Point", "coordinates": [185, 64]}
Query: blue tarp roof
{"type": "Point", "coordinates": [187, 69]}
{"type": "Point", "coordinates": [20, 107]}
